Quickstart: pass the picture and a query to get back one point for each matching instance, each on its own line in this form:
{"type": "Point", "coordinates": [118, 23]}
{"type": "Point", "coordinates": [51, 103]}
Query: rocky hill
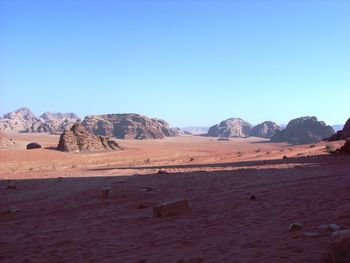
{"type": "Point", "coordinates": [303, 130]}
{"type": "Point", "coordinates": [234, 127]}
{"type": "Point", "coordinates": [23, 120]}
{"type": "Point", "coordinates": [50, 116]}
{"type": "Point", "coordinates": [58, 122]}
{"type": "Point", "coordinates": [78, 139]}
{"type": "Point", "coordinates": [342, 134]}
{"type": "Point", "coordinates": [127, 126]}
{"type": "Point", "coordinates": [265, 130]}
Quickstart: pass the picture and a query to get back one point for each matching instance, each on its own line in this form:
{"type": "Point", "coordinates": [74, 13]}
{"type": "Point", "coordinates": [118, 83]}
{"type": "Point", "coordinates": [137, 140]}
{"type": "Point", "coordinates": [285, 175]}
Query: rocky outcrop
{"type": "Point", "coordinates": [234, 127]}
{"type": "Point", "coordinates": [127, 126]}
{"type": "Point", "coordinates": [265, 130]}
{"type": "Point", "coordinates": [342, 134]}
{"type": "Point", "coordinates": [303, 130]}
{"type": "Point", "coordinates": [345, 149]}
{"type": "Point", "coordinates": [58, 122]}
{"type": "Point", "coordinates": [78, 139]}
{"type": "Point", "coordinates": [23, 120]}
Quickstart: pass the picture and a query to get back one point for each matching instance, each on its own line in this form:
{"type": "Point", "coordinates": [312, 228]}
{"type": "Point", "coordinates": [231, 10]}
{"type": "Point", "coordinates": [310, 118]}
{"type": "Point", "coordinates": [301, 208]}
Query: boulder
{"type": "Point", "coordinates": [33, 145]}
{"type": "Point", "coordinates": [127, 126]}
{"type": "Point", "coordinates": [265, 130]}
{"type": "Point", "coordinates": [303, 130]}
{"type": "Point", "coordinates": [342, 134]}
{"type": "Point", "coordinates": [234, 127]}
{"type": "Point", "coordinates": [78, 139]}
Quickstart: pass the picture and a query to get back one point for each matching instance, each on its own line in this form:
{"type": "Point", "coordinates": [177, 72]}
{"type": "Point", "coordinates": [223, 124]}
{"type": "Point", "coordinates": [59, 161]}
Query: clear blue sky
{"type": "Point", "coordinates": [188, 62]}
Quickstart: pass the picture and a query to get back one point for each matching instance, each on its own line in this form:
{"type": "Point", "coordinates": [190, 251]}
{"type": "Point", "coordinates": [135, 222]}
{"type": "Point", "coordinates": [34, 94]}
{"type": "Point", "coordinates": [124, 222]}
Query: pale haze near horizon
{"type": "Point", "coordinates": [188, 62]}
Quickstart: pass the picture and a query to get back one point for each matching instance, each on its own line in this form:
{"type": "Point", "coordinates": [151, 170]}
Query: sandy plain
{"type": "Point", "coordinates": [63, 217]}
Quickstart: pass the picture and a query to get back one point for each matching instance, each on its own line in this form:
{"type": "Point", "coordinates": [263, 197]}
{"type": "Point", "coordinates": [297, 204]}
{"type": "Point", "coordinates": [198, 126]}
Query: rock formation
{"type": "Point", "coordinates": [345, 149]}
{"type": "Point", "coordinates": [342, 134]}
{"type": "Point", "coordinates": [234, 127]}
{"type": "Point", "coordinates": [78, 139]}
{"type": "Point", "coordinates": [127, 126]}
{"type": "Point", "coordinates": [265, 130]}
{"type": "Point", "coordinates": [23, 120]}
{"type": "Point", "coordinates": [195, 130]}
{"type": "Point", "coordinates": [303, 130]}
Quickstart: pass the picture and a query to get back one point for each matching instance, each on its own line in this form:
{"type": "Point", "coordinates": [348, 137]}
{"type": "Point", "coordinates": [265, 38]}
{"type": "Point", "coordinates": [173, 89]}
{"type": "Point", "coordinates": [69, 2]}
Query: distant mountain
{"type": "Point", "coordinates": [50, 116]}
{"type": "Point", "coordinates": [265, 129]}
{"type": "Point", "coordinates": [196, 129]}
{"type": "Point", "coordinates": [233, 127]}
{"type": "Point", "coordinates": [128, 126]}
{"type": "Point", "coordinates": [23, 120]}
{"type": "Point", "coordinates": [304, 130]}
{"type": "Point", "coordinates": [338, 127]}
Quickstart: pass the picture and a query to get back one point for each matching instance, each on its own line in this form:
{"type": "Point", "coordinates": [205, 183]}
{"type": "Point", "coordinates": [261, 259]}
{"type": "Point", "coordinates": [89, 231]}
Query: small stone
{"type": "Point", "coordinates": [14, 209]}
{"type": "Point", "coordinates": [146, 189]}
{"type": "Point", "coordinates": [252, 197]}
{"type": "Point", "coordinates": [285, 157]}
{"type": "Point", "coordinates": [169, 208]}
{"type": "Point", "coordinates": [161, 171]}
{"type": "Point", "coordinates": [106, 191]}
{"type": "Point", "coordinates": [295, 226]}
{"type": "Point", "coordinates": [334, 227]}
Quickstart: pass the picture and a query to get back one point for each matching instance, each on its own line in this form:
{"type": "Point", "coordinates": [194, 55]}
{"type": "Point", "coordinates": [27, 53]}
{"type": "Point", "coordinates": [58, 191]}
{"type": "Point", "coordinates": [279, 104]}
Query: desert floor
{"type": "Point", "coordinates": [62, 216]}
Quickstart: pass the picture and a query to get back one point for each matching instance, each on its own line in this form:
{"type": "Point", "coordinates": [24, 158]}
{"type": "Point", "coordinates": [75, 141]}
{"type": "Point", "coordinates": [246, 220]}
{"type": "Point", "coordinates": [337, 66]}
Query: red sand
{"type": "Point", "coordinates": [67, 220]}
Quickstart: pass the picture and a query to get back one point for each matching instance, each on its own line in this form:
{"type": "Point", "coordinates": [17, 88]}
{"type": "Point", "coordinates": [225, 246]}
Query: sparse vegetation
{"type": "Point", "coordinates": [258, 150]}
{"type": "Point", "coordinates": [147, 161]}
{"type": "Point", "coordinates": [330, 148]}
{"type": "Point", "coordinates": [312, 146]}
{"type": "Point", "coordinates": [191, 159]}
{"type": "Point", "coordinates": [268, 153]}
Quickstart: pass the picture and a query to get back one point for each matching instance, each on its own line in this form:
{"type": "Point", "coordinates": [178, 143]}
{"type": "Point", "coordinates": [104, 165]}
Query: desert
{"type": "Point", "coordinates": [166, 131]}
{"type": "Point", "coordinates": [243, 195]}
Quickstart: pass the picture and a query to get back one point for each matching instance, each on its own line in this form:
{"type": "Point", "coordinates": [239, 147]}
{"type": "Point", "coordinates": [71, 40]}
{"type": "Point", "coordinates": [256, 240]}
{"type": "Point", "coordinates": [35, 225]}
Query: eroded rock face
{"type": "Point", "coordinates": [234, 127]}
{"type": "Point", "coordinates": [342, 134]}
{"type": "Point", "coordinates": [23, 120]}
{"type": "Point", "coordinates": [127, 126]}
{"type": "Point", "coordinates": [58, 122]}
{"type": "Point", "coordinates": [303, 130]}
{"type": "Point", "coordinates": [78, 139]}
{"type": "Point", "coordinates": [265, 130]}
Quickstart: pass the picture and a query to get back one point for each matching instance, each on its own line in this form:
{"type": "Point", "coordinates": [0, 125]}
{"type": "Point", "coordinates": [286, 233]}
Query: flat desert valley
{"type": "Point", "coordinates": [243, 196]}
